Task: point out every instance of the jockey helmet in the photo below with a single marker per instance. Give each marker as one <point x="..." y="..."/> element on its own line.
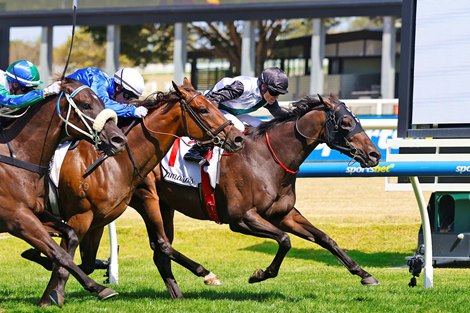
<point x="131" y="80"/>
<point x="275" y="80"/>
<point x="24" y="73"/>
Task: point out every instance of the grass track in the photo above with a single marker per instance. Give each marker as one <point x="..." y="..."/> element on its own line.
<point x="378" y="229"/>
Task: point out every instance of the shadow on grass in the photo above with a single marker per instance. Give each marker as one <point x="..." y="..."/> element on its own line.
<point x="212" y="295"/>
<point x="6" y="297"/>
<point x="379" y="259"/>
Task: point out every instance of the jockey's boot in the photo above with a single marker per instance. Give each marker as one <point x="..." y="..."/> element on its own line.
<point x="196" y="154"/>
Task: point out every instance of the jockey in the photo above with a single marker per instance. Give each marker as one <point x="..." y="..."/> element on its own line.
<point x="117" y="92"/>
<point x="242" y="95"/>
<point x="18" y="85"/>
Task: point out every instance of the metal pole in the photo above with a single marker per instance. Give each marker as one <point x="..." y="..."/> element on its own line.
<point x="428" y="270"/>
<point x="113" y="257"/>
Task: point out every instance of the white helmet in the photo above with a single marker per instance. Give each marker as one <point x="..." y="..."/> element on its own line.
<point x="131" y="80"/>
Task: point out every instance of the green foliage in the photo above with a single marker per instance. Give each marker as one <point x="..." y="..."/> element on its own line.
<point x="140" y="44"/>
<point x="24" y="50"/>
<point x="85" y="52"/>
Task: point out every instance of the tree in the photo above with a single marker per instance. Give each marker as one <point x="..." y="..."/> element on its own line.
<point x="85" y="52"/>
<point x="24" y="50"/>
<point x="224" y="40"/>
<point x="140" y="44"/>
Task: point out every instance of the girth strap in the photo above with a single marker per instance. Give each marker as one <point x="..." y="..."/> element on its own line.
<point x="24" y="165"/>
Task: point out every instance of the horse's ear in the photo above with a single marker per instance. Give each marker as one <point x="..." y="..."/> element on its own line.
<point x="177" y="89"/>
<point x="334" y="98"/>
<point x="187" y="83"/>
<point x="320" y="98"/>
<point x="328" y="103"/>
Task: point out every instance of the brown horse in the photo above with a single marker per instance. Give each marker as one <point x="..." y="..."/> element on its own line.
<point x="256" y="192"/>
<point x="89" y="203"/>
<point x="28" y="144"/>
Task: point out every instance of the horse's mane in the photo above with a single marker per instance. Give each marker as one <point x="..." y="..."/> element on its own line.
<point x="296" y="110"/>
<point x="157" y="99"/>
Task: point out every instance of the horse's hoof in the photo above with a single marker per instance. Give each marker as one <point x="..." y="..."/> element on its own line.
<point x="256" y="277"/>
<point x="45" y="303"/>
<point x="370" y="281"/>
<point x="57" y="298"/>
<point x="107" y="293"/>
<point x="212" y="280"/>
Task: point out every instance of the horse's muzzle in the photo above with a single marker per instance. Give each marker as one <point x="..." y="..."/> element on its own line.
<point x="369" y="159"/>
<point x="234" y="145"/>
<point x="113" y="140"/>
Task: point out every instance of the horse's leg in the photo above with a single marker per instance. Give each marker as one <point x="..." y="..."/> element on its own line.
<point x="89" y="248"/>
<point x="56" y="228"/>
<point x="253" y="224"/>
<point x="59" y="276"/>
<point x="145" y="200"/>
<point x="28" y="227"/>
<point x="298" y="225"/>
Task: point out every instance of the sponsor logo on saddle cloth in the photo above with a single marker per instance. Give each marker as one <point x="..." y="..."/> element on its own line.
<point x="176" y="170"/>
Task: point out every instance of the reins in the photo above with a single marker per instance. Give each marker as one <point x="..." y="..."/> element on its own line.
<point x="268" y="142"/>
<point x="103" y="157"/>
<point x="98" y="122"/>
<point x="332" y="127"/>
<point x="185" y="107"/>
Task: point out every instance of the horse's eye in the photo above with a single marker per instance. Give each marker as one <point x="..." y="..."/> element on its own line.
<point x="347" y="123"/>
<point x="203" y="110"/>
<point x="86" y="106"/>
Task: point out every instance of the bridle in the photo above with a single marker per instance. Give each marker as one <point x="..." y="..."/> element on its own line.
<point x="185" y="107"/>
<point x="213" y="134"/>
<point x="334" y="134"/>
<point x="93" y="130"/>
<point x="334" y="131"/>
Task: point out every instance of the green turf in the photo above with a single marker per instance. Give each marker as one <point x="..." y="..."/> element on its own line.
<point x="310" y="280"/>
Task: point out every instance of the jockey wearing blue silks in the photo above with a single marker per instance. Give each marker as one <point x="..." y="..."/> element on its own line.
<point x="118" y="91"/>
<point x="18" y="85"/>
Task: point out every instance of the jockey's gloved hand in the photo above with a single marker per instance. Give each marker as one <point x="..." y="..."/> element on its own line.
<point x="52" y="89"/>
<point x="140" y="112"/>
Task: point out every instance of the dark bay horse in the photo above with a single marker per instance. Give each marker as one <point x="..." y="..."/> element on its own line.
<point x="89" y="203"/>
<point x="256" y="191"/>
<point x="27" y="146"/>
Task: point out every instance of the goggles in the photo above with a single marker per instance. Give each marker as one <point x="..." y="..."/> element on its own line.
<point x="273" y="93"/>
<point x="128" y="95"/>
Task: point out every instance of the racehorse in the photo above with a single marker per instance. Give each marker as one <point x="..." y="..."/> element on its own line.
<point x="89" y="203"/>
<point x="28" y="143"/>
<point x="256" y="191"/>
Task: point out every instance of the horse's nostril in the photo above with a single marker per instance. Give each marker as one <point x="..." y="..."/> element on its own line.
<point x="375" y="155"/>
<point x="238" y="139"/>
<point x="118" y="140"/>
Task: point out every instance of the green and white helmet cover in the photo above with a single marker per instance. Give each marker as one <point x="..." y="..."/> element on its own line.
<point x="24" y="73"/>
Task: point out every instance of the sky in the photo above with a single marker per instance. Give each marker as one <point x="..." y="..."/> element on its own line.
<point x="31" y="34"/>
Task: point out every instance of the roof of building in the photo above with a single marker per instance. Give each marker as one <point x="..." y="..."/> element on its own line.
<point x="131" y="12"/>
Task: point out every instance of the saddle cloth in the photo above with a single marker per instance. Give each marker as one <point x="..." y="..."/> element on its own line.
<point x="56" y="162"/>
<point x="176" y="170"/>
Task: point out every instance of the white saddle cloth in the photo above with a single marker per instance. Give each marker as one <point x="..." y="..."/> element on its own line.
<point x="176" y="170"/>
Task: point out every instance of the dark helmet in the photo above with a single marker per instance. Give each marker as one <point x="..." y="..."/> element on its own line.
<point x="275" y="80"/>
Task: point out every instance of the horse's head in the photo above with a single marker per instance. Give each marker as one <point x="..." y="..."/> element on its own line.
<point x="345" y="133"/>
<point x="85" y="117"/>
<point x="204" y="121"/>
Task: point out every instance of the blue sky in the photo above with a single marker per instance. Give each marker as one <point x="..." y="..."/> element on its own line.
<point x="60" y="34"/>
